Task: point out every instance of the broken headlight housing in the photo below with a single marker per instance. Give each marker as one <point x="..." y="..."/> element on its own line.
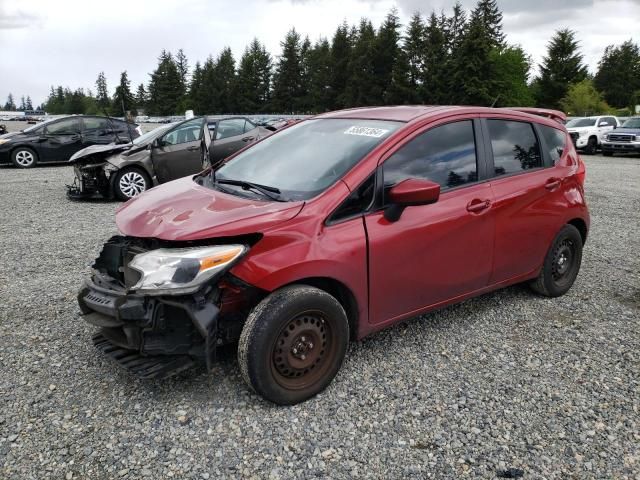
<point x="177" y="271"/>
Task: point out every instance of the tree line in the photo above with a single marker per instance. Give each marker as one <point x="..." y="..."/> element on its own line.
<point x="458" y="58"/>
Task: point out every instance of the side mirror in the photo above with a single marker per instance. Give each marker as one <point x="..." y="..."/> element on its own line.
<point x="157" y="143"/>
<point x="410" y="192"/>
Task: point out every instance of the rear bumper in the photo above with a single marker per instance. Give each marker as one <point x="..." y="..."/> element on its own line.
<point x="153" y="337"/>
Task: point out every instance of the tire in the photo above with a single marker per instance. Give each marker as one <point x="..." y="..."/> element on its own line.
<point x="592" y="144"/>
<point x="561" y="264"/>
<point x="293" y="344"/>
<point x="130" y="182"/>
<point x="607" y="154"/>
<point x="24" y="157"/>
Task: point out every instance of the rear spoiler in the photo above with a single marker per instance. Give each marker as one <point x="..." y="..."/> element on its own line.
<point x="556" y="115"/>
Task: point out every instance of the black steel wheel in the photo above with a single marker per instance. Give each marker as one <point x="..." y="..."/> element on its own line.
<point x="561" y="265"/>
<point x="293" y="344"/>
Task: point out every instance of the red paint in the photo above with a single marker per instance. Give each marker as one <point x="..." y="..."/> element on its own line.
<point x="472" y="240"/>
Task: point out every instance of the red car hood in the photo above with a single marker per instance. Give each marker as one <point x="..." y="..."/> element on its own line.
<point x="182" y="210"/>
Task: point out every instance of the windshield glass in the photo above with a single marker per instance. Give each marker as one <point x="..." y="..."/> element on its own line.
<point x="631" y="123"/>
<point x="581" y="122"/>
<point x="305" y="159"/>
<point x="156" y="132"/>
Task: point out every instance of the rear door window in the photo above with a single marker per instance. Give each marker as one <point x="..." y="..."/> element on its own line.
<point x="445" y="154"/>
<point x="93" y="124"/>
<point x="515" y="147"/>
<point x="555" y="141"/>
<point x="230" y="128"/>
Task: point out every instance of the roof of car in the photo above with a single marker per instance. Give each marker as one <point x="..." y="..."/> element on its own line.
<point x="409" y="113"/>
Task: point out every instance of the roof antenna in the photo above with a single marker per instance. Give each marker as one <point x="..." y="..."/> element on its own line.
<point x="494" y="102"/>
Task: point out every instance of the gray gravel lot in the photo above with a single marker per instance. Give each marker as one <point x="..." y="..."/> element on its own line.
<point x="507" y="380"/>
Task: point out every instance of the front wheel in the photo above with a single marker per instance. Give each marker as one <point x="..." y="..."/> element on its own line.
<point x="130" y="182"/>
<point x="293" y="344"/>
<point x="23" y="157"/>
<point x="561" y="265"/>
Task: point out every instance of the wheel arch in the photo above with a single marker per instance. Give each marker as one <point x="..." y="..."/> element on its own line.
<point x="28" y="147"/>
<point x="340" y="292"/>
<point x="581" y="225"/>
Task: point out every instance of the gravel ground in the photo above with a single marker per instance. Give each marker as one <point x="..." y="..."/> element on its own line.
<point x="507" y="380"/>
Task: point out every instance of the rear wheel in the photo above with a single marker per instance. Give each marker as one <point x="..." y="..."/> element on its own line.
<point x="293" y="344"/>
<point x="561" y="265"/>
<point x="130" y="182"/>
<point x="24" y="157"/>
<point x="592" y="144"/>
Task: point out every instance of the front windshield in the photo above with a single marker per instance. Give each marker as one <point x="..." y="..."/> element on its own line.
<point x="303" y="160"/>
<point x="581" y="122"/>
<point x="156" y="132"/>
<point x="631" y="123"/>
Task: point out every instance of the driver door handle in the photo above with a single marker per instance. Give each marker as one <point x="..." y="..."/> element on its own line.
<point x="247" y="139"/>
<point x="477" y="206"/>
<point x="194" y="148"/>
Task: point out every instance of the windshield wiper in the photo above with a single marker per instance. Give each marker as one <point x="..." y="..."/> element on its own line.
<point x="265" y="190"/>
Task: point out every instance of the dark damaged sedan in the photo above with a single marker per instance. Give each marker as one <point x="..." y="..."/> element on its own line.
<point x="169" y="152"/>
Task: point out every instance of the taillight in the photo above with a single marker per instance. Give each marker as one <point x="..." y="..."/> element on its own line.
<point x="582" y="171"/>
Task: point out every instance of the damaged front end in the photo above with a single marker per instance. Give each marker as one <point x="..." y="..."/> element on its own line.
<point x="91" y="180"/>
<point x="163" y="306"/>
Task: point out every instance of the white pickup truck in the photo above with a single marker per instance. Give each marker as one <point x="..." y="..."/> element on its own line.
<point x="587" y="132"/>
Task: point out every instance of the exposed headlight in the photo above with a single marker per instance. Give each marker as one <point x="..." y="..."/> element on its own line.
<point x="175" y="271"/>
<point x="4" y="140"/>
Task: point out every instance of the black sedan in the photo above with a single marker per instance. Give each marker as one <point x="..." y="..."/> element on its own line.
<point x="58" y="139"/>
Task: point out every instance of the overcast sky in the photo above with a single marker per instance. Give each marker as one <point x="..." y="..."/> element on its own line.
<point x="68" y="42"/>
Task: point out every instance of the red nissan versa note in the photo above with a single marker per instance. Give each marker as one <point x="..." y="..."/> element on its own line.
<point x="331" y="229"/>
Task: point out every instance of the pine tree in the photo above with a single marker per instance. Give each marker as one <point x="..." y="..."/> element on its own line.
<point x="414" y="50"/>
<point x="11" y="104"/>
<point x="141" y="98"/>
<point x="22" y="106"/>
<point x="435" y="73"/>
<point x="491" y="18"/>
<point x="183" y="68"/>
<point x="165" y="92"/>
<point x="206" y="96"/>
<point x="361" y="88"/>
<point x="28" y="104"/>
<point x="225" y="75"/>
<point x="386" y="52"/>
<point x="287" y="89"/>
<point x="123" y="98"/>
<point x="254" y="79"/>
<point x="618" y="75"/>
<point x="400" y="91"/>
<point x="102" y="93"/>
<point x="341" y="52"/>
<point x="320" y="76"/>
<point x="561" y="67"/>
<point x="195" y="89"/>
<point x="472" y="75"/>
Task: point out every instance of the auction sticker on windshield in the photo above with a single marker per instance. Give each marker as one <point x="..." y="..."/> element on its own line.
<point x="366" y="131"/>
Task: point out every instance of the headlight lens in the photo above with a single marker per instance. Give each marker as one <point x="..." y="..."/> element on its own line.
<point x="4" y="140"/>
<point x="174" y="271"/>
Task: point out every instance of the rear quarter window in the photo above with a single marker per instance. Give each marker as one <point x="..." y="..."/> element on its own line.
<point x="555" y="141"/>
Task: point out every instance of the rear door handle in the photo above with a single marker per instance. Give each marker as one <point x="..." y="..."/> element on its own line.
<point x="194" y="148"/>
<point x="552" y="183"/>
<point x="476" y="205"/>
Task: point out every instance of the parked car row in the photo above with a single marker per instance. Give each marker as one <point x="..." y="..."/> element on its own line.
<point x="332" y="229"/>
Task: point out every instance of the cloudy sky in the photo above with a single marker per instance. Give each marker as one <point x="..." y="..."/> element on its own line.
<point x="68" y="42"/>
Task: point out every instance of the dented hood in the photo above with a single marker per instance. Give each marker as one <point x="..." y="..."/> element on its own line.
<point x="183" y="210"/>
<point x="94" y="149"/>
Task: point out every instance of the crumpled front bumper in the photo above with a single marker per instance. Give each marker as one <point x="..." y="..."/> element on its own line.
<point x="153" y="337"/>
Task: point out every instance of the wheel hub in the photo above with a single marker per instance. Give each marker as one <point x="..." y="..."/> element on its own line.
<point x="562" y="261"/>
<point x="301" y="346"/>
